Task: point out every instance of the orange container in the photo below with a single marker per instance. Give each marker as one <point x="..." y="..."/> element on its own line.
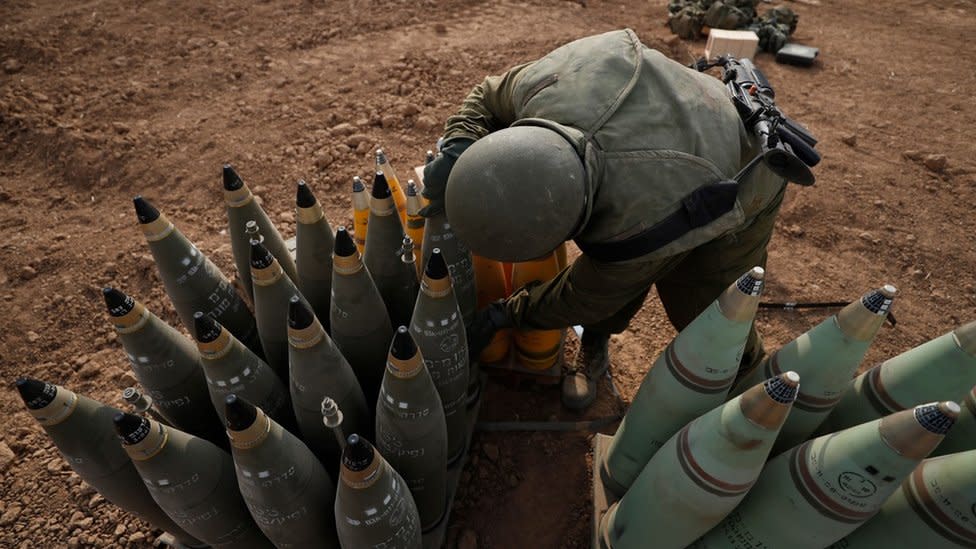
<point x="536" y="349"/>
<point x="490" y="282"/>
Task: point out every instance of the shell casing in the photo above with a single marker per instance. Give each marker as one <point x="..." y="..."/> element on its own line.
<point x="317" y="369"/>
<point x="826" y="357"/>
<point x="438" y="329"/>
<point x="231" y="367"/>
<point x="81" y="429"/>
<point x="820" y="491"/>
<point x="360" y="217"/>
<point x="241" y="208"/>
<point x="361" y="327"/>
<point x="194" y="482"/>
<point x="415" y="225"/>
<point x="272" y="290"/>
<point x="383" y="262"/>
<point x="193" y="283"/>
<point x="939" y="369"/>
<point x="491" y="285"/>
<point x="690" y="377"/>
<point x="314" y="242"/>
<point x="962" y="436"/>
<point x="438" y="234"/>
<point x="933" y="508"/>
<point x="396" y="189"/>
<point x="536" y="349"/>
<point x="374" y="508"/>
<point x="411" y="433"/>
<point x="167" y="365"/>
<point x="286" y="489"/>
<point x="702" y="472"/>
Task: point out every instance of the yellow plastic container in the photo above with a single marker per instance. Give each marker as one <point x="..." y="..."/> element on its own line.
<point x="536" y="349"/>
<point x="489" y="277"/>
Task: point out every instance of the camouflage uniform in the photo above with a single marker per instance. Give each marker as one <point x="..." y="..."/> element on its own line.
<point x="650" y="132"/>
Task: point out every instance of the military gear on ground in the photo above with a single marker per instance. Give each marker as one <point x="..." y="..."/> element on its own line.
<point x="518" y="193"/>
<point x="774" y="28"/>
<point x="436" y="173"/>
<point x="687" y="22"/>
<point x="486" y="322"/>
<point x="687" y="19"/>
<point x="592" y="361"/>
<point x="730" y="14"/>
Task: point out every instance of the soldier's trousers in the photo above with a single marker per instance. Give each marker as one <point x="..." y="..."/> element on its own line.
<point x="604" y="296"/>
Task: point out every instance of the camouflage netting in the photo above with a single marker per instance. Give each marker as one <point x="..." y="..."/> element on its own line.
<point x="687" y="18"/>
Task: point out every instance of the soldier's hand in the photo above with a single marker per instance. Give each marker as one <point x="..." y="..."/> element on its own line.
<point x="437" y="172"/>
<point x="482" y="329"/>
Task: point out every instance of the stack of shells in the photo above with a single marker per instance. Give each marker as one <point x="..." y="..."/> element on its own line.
<point x="251" y="431"/>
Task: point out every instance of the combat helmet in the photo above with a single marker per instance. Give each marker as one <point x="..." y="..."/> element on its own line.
<point x="517" y="194"/>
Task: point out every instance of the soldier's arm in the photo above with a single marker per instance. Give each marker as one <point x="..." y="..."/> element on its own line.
<point x="489" y="107"/>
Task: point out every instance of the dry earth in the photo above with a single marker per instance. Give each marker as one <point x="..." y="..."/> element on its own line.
<point x="103" y="99"/>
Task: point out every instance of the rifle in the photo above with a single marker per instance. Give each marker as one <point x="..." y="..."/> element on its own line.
<point x="787" y="146"/>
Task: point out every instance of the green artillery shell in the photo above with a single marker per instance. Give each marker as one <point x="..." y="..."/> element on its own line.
<point x="701" y="474"/>
<point x="313" y="252"/>
<point x="826" y="357"/>
<point x="689" y="378"/>
<point x="231" y="368"/>
<point x="940" y="369"/>
<point x="167" y="365"/>
<point x="192" y="281"/>
<point x="318" y="369"/>
<point x="241" y="208"/>
<point x="933" y="509"/>
<point x="962" y="437"/>
<point x="192" y="480"/>
<point x="823" y="489"/>
<point x="373" y="506"/>
<point x="411" y="432"/>
<point x="81" y="429"/>
<point x="438" y="234"/>
<point x="272" y="290"/>
<point x="360" y="324"/>
<point x="284" y="486"/>
<point x="382" y="257"/>
<point x="438" y="329"/>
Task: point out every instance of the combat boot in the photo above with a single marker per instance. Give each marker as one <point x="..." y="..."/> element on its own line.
<point x="583" y="376"/>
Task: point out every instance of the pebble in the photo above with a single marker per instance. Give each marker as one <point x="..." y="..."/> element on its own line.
<point x="850" y="139"/>
<point x="343" y="129"/>
<point x="356" y="139"/>
<point x="32" y="336"/>
<point x="936" y="162"/>
<point x="10" y="515"/>
<point x="7" y="456"/>
<point x="12" y="66"/>
<point x="136" y="537"/>
<point x="28" y="272"/>
<point x="120" y="529"/>
<point x="491" y="451"/>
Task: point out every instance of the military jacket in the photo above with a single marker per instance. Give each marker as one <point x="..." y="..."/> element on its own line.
<point x="649" y="130"/>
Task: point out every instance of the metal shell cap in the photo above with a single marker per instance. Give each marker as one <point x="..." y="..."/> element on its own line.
<point x="516" y="194"/>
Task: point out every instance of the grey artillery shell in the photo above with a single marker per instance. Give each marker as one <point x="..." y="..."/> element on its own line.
<point x="962" y="437"/>
<point x="319" y="370"/>
<point x="81" y="429"/>
<point x="411" y="432"/>
<point x="691" y="377"/>
<point x="382" y="257"/>
<point x="933" y="509"/>
<point x="941" y="369"/>
<point x="826" y="357"/>
<point x="360" y="324"/>
<point x="272" y="291"/>
<point x="703" y="472"/>
<point x="193" y="283"/>
<point x="373" y="506"/>
<point x="820" y="491"/>
<point x="438" y="234"/>
<point x="241" y="208"/>
<point x="192" y="480"/>
<point x="287" y="490"/>
<point x="438" y="329"/>
<point x="231" y="368"/>
<point x="168" y="367"/>
<point x="313" y="253"/>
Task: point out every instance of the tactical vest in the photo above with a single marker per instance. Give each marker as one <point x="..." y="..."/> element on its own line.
<point x="655" y="136"/>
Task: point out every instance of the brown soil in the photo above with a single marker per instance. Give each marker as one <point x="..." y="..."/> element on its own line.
<point x="103" y="100"/>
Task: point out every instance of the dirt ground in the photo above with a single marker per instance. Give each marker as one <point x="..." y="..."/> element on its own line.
<point x="103" y="99"/>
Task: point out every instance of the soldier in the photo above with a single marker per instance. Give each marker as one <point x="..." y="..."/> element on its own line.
<point x="644" y="163"/>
